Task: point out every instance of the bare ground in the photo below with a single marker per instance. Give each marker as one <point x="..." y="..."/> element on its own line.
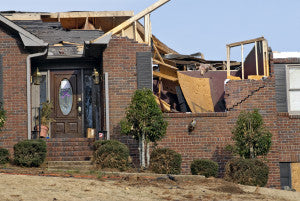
<point x="102" y="186"/>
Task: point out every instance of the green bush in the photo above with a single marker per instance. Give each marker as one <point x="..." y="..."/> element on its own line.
<point x="30" y="153"/>
<point x="4" y="156"/>
<point x="111" y="154"/>
<point x="247" y="171"/>
<point x="165" y="161"/>
<point x="205" y="167"/>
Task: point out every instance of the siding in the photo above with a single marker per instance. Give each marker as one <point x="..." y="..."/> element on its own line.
<point x="144" y="70"/>
<point x="280" y="87"/>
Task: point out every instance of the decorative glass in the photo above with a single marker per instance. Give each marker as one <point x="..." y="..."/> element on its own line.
<point x="65" y="97"/>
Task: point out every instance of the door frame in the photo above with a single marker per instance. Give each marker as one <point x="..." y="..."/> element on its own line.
<point x="81" y="95"/>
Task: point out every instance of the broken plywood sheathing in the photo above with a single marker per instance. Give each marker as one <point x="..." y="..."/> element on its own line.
<point x="265" y="57"/>
<point x="197" y="92"/>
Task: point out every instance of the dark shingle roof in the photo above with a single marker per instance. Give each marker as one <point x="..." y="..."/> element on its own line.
<point x="53" y="32"/>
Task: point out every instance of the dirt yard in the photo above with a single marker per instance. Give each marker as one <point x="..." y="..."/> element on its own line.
<point x="130" y="187"/>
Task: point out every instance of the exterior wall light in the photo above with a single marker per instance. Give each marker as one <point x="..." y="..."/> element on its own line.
<point x="96" y="76"/>
<point x="192" y="125"/>
<point x="37" y="77"/>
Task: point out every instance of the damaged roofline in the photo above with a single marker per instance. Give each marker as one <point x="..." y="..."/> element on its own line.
<point x="28" y="39"/>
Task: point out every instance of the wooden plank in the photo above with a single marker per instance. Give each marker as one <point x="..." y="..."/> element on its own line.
<point x="164" y="76"/>
<point x="135" y="32"/>
<point x="256" y="58"/>
<point x="163" y="104"/>
<point x="134" y="18"/>
<point x="87" y="14"/>
<point x="164" y="64"/>
<point x="147" y="28"/>
<point x="266" y="58"/>
<point x="157" y="53"/>
<point x="228" y="61"/>
<point x="245" y="42"/>
<point x="243" y="69"/>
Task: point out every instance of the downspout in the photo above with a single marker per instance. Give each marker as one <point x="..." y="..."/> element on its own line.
<point x="107" y="106"/>
<point x="28" y="69"/>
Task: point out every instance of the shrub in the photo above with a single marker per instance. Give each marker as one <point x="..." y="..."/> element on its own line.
<point x="144" y="121"/>
<point x="165" y="161"/>
<point x="4" y="156"/>
<point x="205" y="167"/>
<point x="30" y="153"/>
<point x="2" y="116"/>
<point x="247" y="171"/>
<point x="111" y="154"/>
<point x="251" y="138"/>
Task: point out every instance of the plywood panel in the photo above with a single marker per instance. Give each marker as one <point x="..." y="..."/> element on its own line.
<point x="295" y="173"/>
<point x="197" y="92"/>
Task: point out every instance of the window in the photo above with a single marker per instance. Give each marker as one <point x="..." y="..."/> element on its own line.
<point x="293" y="88"/>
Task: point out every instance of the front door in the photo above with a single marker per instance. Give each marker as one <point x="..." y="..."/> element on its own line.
<point x="66" y="95"/>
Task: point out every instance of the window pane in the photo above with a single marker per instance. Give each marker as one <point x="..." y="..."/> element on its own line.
<point x="294" y="77"/>
<point x="295" y="100"/>
<point x="65" y="97"/>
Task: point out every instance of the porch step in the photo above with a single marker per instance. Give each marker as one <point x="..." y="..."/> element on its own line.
<point x="70" y="165"/>
<point x="69" y="149"/>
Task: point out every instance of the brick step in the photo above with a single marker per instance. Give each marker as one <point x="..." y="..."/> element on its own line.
<point x="69" y="158"/>
<point x="70" y="165"/>
<point x="69" y="149"/>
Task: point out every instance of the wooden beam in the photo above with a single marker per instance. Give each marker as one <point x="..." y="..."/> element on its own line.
<point x="256" y="58"/>
<point x="87" y="14"/>
<point x="157" y="53"/>
<point x="243" y="69"/>
<point x="147" y="28"/>
<point x="164" y="76"/>
<point x="135" y="32"/>
<point x="228" y="61"/>
<point x="164" y="64"/>
<point x="246" y="42"/>
<point x="134" y="18"/>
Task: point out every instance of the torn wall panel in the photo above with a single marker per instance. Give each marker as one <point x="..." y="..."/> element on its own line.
<point x="197" y="92"/>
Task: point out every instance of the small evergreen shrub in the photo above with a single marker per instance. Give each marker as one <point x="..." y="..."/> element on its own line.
<point x="4" y="156"/>
<point x="247" y="171"/>
<point x="111" y="154"/>
<point x="30" y="153"/>
<point x="165" y="161"/>
<point x="205" y="167"/>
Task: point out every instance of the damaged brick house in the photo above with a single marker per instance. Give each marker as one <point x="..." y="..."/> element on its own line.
<point x="101" y="58"/>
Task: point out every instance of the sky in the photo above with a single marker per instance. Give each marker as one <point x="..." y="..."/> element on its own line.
<point x="190" y="26"/>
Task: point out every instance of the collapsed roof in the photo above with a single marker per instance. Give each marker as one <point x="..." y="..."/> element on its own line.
<point x="181" y="82"/>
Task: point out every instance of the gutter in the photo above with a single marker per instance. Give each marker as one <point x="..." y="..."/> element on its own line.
<point x="28" y="70"/>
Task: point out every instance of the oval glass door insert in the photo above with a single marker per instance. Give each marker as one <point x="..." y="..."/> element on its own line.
<point x="65" y="96"/>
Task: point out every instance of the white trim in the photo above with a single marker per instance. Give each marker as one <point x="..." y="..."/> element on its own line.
<point x="287" y="67"/>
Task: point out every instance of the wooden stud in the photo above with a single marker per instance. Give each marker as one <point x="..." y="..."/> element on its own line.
<point x="256" y="58"/>
<point x="159" y="87"/>
<point x="243" y="69"/>
<point x="135" y="32"/>
<point x="123" y="33"/>
<point x="147" y="29"/>
<point x="228" y="61"/>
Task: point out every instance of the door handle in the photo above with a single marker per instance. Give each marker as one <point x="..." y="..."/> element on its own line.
<point x="79" y="106"/>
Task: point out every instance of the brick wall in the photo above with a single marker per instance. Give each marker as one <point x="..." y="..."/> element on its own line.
<point x="14" y="91"/>
<point x="213" y="130"/>
<point x="119" y="60"/>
